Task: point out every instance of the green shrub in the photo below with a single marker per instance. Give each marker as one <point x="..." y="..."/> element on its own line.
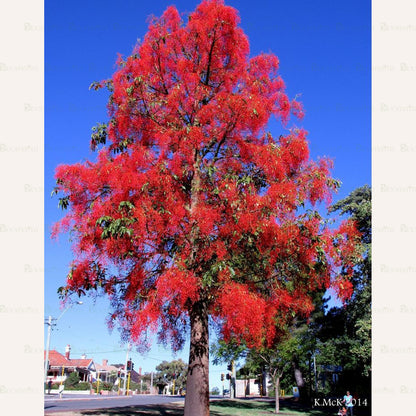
<point x="83" y="385"/>
<point x="72" y="380"/>
<point x="54" y="386"/>
<point x="102" y="386"/>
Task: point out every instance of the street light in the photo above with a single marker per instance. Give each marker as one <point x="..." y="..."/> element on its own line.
<point x="52" y="322"/>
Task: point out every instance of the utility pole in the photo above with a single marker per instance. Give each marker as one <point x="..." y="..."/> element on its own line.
<point x="125" y="367"/>
<point x="48" y="342"/>
<point x="151" y="382"/>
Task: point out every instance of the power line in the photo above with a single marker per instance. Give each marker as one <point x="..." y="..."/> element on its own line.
<point x="113" y="352"/>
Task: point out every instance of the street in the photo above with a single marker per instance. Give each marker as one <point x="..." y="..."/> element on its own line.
<point x="82" y="402"/>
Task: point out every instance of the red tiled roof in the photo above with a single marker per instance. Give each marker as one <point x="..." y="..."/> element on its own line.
<point x="81" y="362"/>
<point x="56" y="359"/>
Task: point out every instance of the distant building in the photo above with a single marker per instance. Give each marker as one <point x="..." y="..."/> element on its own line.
<point x="60" y="366"/>
<point x="106" y="372"/>
<point x="252" y="386"/>
<point x="134" y="375"/>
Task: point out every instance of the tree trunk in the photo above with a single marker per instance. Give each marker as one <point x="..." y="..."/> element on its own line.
<point x="300" y="382"/>
<point x="276" y="393"/>
<point x="197" y="384"/>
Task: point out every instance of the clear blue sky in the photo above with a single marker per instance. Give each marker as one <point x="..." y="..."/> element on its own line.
<point x="324" y="48"/>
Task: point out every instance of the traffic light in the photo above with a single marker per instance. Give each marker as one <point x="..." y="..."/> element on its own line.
<point x="132" y="365"/>
<point x="228" y="376"/>
<point x="129" y="365"/>
<point x="222" y="377"/>
<point x="229" y="367"/>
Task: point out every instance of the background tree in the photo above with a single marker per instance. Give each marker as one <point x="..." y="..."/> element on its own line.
<point x="358" y="206"/>
<point x="339" y="336"/>
<point x="175" y="370"/>
<point x="302" y="344"/>
<point x="229" y="352"/>
<point x="275" y="361"/>
<point x="192" y="209"/>
<point x="345" y="333"/>
<point x="342" y="335"/>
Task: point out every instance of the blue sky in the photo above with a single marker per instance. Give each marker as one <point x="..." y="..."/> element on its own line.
<point x="324" y="48"/>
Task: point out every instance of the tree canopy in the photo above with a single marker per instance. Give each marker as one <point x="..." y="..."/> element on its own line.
<point x="192" y="209"/>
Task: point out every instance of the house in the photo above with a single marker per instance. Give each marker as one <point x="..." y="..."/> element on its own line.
<point x="105" y="372"/>
<point x="60" y="366"/>
<point x="252" y="386"/>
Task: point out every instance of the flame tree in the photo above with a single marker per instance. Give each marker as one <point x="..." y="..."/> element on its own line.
<point x="191" y="209"/>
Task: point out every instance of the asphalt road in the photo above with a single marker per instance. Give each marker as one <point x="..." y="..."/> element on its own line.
<point x="83" y="402"/>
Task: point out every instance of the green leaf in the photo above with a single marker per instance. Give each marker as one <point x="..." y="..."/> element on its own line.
<point x="99" y="135"/>
<point x="95" y="86"/>
<point x="103" y="220"/>
<point x="63" y="202"/>
<point x="127" y="205"/>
